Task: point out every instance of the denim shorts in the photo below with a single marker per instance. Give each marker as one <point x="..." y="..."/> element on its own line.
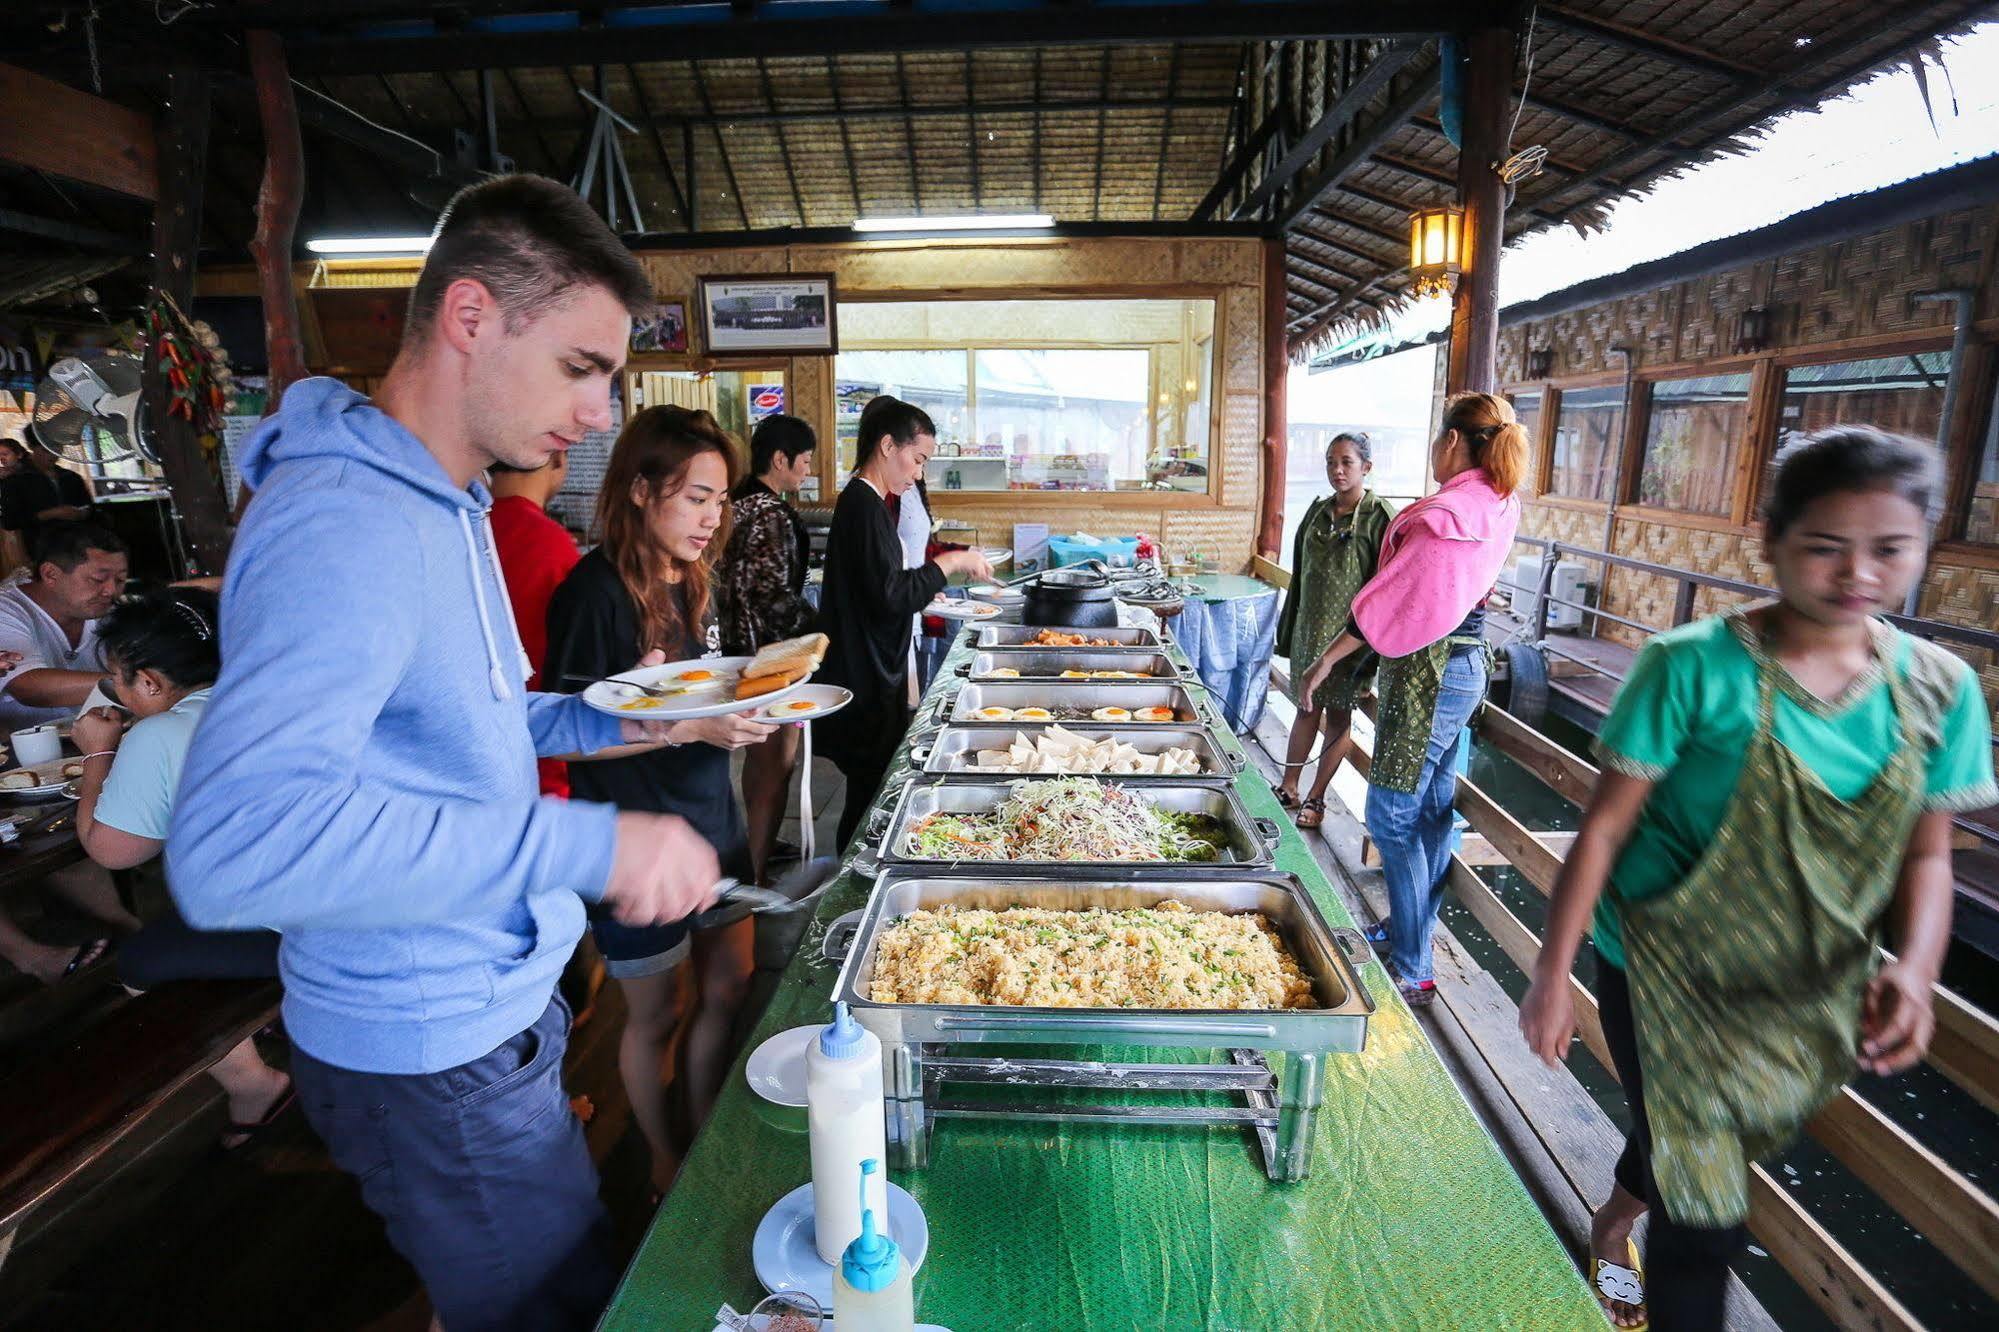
<point x="632" y="951"/>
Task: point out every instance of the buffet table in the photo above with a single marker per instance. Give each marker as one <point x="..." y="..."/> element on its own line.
<point x="1410" y="1218"/>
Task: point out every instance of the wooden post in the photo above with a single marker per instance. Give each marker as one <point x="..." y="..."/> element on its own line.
<point x="278" y="200"/>
<point x="1276" y="376"/>
<point x="1474" y="357"/>
<point x="183" y="162"/>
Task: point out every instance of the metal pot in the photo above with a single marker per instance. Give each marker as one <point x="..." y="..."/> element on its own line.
<point x="1071" y="599"/>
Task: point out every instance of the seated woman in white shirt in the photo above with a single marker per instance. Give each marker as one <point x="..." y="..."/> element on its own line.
<point x="164" y="653"/>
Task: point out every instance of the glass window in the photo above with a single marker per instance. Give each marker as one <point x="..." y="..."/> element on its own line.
<point x="1981" y="523"/>
<point x="1903" y="394"/>
<point x="1040" y="395"/>
<point x="1527" y="406"/>
<point x="1693" y="437"/>
<point x="1589" y="432"/>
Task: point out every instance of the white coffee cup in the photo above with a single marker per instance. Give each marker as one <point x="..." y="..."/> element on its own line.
<point x="37" y="744"/>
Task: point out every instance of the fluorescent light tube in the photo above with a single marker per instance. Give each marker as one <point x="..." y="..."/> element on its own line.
<point x="964" y="222"/>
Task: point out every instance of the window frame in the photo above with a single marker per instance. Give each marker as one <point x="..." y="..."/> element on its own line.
<point x="1557" y="390"/>
<point x="1209" y="496"/>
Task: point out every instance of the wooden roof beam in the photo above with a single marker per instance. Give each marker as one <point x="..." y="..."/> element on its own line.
<point x="1656" y="48"/>
<point x="1351" y="103"/>
<point x="1365" y="141"/>
<point x="733" y="34"/>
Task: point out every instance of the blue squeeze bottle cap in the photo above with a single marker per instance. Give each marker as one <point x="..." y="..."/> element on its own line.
<point x="843" y="1038"/>
<point x="872" y="1261"/>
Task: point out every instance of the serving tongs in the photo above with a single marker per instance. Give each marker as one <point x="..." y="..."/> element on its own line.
<point x="796" y="887"/>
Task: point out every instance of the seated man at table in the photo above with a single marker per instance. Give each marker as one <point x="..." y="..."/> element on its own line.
<point x="48" y="626"/>
<point x="51" y="620"/>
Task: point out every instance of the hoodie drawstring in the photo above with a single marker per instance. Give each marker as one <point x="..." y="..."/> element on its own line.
<point x="495" y="676"/>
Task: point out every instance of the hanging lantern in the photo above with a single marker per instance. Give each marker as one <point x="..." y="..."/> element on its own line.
<point x="1436" y="249"/>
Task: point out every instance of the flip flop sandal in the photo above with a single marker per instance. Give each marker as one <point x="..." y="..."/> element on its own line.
<point x="88" y="956"/>
<point x="1311" y="813"/>
<point x="1617" y="1284"/>
<point x="1285" y="799"/>
<point x="1376" y="936"/>
<point x="1416" y="994"/>
<point x="245" y="1134"/>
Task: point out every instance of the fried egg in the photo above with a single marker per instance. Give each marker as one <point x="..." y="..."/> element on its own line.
<point x="640" y="705"/>
<point x="796" y="705"/>
<point x="1004" y="673"/>
<point x="1154" y="714"/>
<point x="994" y="714"/>
<point x="1033" y="714"/>
<point x="1075" y="675"/>
<point x="1111" y="715"/>
<point x="694" y="677"/>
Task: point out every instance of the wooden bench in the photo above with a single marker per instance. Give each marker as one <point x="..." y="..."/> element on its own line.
<point x="63" y="1109"/>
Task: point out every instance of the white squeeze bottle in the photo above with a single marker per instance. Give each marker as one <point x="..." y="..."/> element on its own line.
<point x="872" y="1292"/>
<point x="843" y="1107"/>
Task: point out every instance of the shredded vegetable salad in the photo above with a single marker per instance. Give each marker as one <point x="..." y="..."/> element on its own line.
<point x="1073" y="819"/>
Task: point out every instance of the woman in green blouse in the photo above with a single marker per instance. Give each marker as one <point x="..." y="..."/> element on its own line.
<point x="1777" y="789"/>
<point x="1338" y="545"/>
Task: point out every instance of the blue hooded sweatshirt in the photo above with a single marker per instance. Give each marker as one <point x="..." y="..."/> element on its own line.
<point x="364" y="778"/>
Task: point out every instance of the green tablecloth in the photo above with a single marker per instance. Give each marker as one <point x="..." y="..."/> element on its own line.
<point x="1411" y="1219"/>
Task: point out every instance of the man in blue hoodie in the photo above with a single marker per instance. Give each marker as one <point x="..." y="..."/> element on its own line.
<point x="364" y="780"/>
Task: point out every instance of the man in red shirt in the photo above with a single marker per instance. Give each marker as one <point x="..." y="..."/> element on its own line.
<point x="536" y="554"/>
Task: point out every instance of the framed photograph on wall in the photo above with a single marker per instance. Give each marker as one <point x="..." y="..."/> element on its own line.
<point x="666" y="331"/>
<point x="786" y="314"/>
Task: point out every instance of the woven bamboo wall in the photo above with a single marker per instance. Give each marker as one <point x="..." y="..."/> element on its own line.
<point x="1858" y="288"/>
<point x="1854" y="288"/>
<point x="1227" y="271"/>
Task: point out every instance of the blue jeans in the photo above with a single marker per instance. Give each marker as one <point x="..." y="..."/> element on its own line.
<point x="1413" y="829"/>
<point x="482" y="1177"/>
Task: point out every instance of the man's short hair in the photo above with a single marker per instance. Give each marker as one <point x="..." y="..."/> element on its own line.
<point x="529" y="241"/>
<point x="779" y="434"/>
<point x="67" y="542"/>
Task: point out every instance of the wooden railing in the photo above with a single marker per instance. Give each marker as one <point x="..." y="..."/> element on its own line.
<point x="1949" y="1210"/>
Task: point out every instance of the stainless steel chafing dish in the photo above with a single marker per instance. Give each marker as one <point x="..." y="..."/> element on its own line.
<point x="1281" y="1111"/>
<point x="1049" y="663"/>
<point x="1017" y="636"/>
<point x="1071" y="700"/>
<point x="1251" y="841"/>
<point x="955" y="749"/>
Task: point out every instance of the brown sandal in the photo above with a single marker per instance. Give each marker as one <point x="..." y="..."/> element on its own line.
<point x="1311" y="813"/>
<point x="1285" y="799"/>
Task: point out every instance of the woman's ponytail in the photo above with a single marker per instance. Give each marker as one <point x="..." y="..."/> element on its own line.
<point x="1498" y="442"/>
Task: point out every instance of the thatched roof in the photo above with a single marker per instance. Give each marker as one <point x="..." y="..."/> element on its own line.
<point x="1316" y="120"/>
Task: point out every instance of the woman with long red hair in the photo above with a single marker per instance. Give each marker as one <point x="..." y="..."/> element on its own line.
<point x="662" y="519"/>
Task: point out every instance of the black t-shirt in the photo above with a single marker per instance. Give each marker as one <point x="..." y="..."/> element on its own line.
<point x="865" y="610"/>
<point x="27" y="492"/>
<point x="593" y="632"/>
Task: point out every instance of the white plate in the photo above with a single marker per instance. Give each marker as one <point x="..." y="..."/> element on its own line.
<point x="776" y="1070"/>
<point x="825" y="700"/>
<point x="704" y="698"/>
<point x="784" y="1256"/>
<point x="49" y="777"/>
<point x="834" y="1327"/>
<point x="957" y="608"/>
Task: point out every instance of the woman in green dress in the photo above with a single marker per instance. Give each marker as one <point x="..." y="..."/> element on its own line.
<point x="1335" y="553"/>
<point x="1777" y="788"/>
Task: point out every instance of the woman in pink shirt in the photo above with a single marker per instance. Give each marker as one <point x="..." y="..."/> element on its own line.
<point x="1424" y="613"/>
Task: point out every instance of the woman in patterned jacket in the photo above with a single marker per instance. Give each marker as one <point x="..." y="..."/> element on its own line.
<point x="761" y="600"/>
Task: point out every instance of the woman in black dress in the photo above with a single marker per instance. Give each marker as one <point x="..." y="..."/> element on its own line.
<point x="662" y="515"/>
<point x="869" y="600"/>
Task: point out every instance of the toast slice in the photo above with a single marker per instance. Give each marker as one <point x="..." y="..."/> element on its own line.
<point x="781" y="658"/>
